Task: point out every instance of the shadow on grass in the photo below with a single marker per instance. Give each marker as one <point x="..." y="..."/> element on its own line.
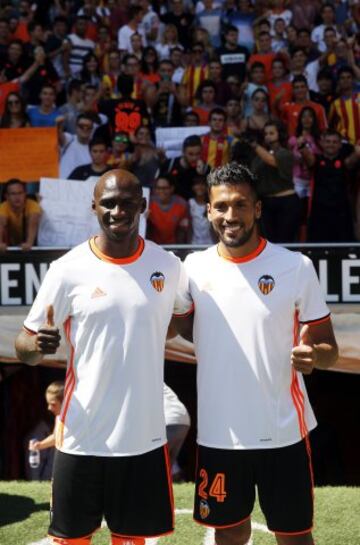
<point x="16" y="508"/>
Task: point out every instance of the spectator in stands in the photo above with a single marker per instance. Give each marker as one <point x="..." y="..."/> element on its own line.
<point x="168" y="42"/>
<point x="71" y="109"/>
<point x="233" y="57"/>
<point x="182" y="19"/>
<point x="327" y="14"/>
<point x="168" y="219"/>
<point x="233" y="114"/>
<point x="200" y="228"/>
<point x="135" y="14"/>
<point x="325" y="94"/>
<point x="110" y="77"/>
<point x="120" y="156"/>
<point x="196" y="72"/>
<point x="146" y="159"/>
<point x="56" y="45"/>
<point x="185" y="168"/>
<point x="75" y="147"/>
<point x="54" y="396"/>
<point x="256" y="81"/>
<point x="90" y="71"/>
<point x="279" y="87"/>
<point x="80" y="45"/>
<point x="137" y="45"/>
<point x="46" y="114"/>
<point x="222" y="89"/>
<point x="305" y="43"/>
<point x="330" y="216"/>
<point x="210" y="19"/>
<point x="206" y="100"/>
<point x="15" y="116"/>
<point x="167" y="110"/>
<point x="150" y="65"/>
<point x="98" y="165"/>
<point x="216" y="144"/>
<point x="19" y="217"/>
<point x="291" y="110"/>
<point x="252" y="126"/>
<point x="150" y="22"/>
<point x="265" y="54"/>
<point x="176" y="57"/>
<point x="345" y="110"/>
<point x="273" y="166"/>
<point x="4" y="38"/>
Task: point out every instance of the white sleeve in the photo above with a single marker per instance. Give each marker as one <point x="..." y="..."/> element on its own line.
<point x="310" y="301"/>
<point x="183" y="302"/>
<point x="52" y="292"/>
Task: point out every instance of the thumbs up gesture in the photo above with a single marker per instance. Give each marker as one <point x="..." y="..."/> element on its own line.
<point x="304" y="356"/>
<point x="48" y="336"/>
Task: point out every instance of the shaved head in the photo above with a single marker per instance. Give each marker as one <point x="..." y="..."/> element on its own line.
<point x="117" y="178"/>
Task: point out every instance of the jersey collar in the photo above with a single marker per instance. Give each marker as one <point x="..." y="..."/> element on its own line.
<point x="249" y="257"/>
<point x="119" y="260"/>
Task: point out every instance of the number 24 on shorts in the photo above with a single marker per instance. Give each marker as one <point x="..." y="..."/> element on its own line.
<point x="217" y="488"/>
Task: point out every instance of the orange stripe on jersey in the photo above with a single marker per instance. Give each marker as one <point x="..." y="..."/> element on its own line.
<point x="70" y="382"/>
<point x="296" y="393"/>
<point x="120" y="260"/>
<point x="29" y="331"/>
<point x="319" y="320"/>
<point x="261" y="246"/>
<point x="171" y="492"/>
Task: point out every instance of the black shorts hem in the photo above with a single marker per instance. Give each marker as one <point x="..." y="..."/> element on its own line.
<point x="89" y="535"/>
<point x="222" y="526"/>
<point x="148" y="536"/>
<point x="298" y="533"/>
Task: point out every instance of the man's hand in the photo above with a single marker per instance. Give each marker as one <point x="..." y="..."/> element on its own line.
<point x="48" y="336"/>
<point x="304" y="356"/>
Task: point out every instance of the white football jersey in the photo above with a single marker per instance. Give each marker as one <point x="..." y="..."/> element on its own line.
<point x="246" y="320"/>
<point x="115" y="314"/>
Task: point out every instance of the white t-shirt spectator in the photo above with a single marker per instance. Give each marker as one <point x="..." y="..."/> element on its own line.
<point x="80" y="47"/>
<point x="317" y="36"/>
<point x="73" y="154"/>
<point x="124" y="36"/>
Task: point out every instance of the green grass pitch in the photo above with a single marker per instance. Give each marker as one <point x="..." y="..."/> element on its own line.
<point x="24" y="517"/>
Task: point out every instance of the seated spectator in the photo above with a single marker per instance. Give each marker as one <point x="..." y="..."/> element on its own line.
<point x="15" y="116"/>
<point x="206" y="100"/>
<point x="327" y="14"/>
<point x="345" y="110"/>
<point x="168" y="41"/>
<point x="278" y="10"/>
<point x="131" y="67"/>
<point x="109" y="79"/>
<point x="135" y="14"/>
<point x="233" y="57"/>
<point x="200" y="226"/>
<point x="70" y="111"/>
<point x="167" y="110"/>
<point x="46" y="114"/>
<point x="16" y="61"/>
<point x="301" y="67"/>
<point x="19" y="217"/>
<point x="168" y="219"/>
<point x="279" y="87"/>
<point x="150" y="65"/>
<point x="98" y="165"/>
<point x="176" y="57"/>
<point x="305" y="43"/>
<point x="279" y="42"/>
<point x="256" y="81"/>
<point x="137" y="45"/>
<point x="120" y="156"/>
<point x="75" y="147"/>
<point x="330" y="218"/>
<point x="146" y="159"/>
<point x="185" y="168"/>
<point x="253" y="125"/>
<point x="291" y="110"/>
<point x="273" y="165"/>
<point x="216" y="144"/>
<point x="190" y="119"/>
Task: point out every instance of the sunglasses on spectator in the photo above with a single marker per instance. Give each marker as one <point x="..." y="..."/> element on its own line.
<point x="122" y="139"/>
<point x="14" y="101"/>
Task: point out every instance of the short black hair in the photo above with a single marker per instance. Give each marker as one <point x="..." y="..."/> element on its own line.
<point x="74" y="85"/>
<point x="232" y="174"/>
<point x="125" y="84"/>
<point x="345" y="70"/>
<point x="86" y="116"/>
<point x="217" y="111"/>
<point x="231" y="28"/>
<point x="300" y="79"/>
<point x="13" y="181"/>
<point x="190" y="141"/>
<point x="325" y="74"/>
<point x="97" y="142"/>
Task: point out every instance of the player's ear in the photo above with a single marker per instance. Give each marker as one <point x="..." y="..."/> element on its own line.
<point x="143" y="205"/>
<point x="258" y="210"/>
<point x="208" y="210"/>
<point x="93" y="205"/>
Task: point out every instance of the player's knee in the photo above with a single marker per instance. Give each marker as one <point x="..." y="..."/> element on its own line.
<point x="240" y="535"/>
<point x="304" y="539"/>
<point x="116" y="540"/>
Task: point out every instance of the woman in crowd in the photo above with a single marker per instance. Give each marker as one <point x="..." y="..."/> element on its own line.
<point x="150" y="65"/>
<point x="168" y="41"/>
<point x="90" y="72"/>
<point x="273" y="166"/>
<point x="15" y="116"/>
<point x="279" y="87"/>
<point x="253" y="125"/>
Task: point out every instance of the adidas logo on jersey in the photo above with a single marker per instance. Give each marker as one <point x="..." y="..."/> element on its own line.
<point x="98" y="292"/>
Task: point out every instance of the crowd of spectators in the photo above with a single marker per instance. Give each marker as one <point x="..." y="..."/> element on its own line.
<point x="277" y="83"/>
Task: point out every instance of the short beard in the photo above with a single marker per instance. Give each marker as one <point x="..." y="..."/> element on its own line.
<point x="236" y="243"/>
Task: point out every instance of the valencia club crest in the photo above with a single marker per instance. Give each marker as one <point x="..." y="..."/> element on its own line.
<point x="266" y="284"/>
<point x="157" y="280"/>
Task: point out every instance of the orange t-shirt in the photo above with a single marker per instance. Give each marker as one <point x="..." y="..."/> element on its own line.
<point x="163" y="221"/>
<point x="274" y="90"/>
<point x="291" y="112"/>
<point x="266" y="59"/>
<point x="21" y="33"/>
<point x="5" y="90"/>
